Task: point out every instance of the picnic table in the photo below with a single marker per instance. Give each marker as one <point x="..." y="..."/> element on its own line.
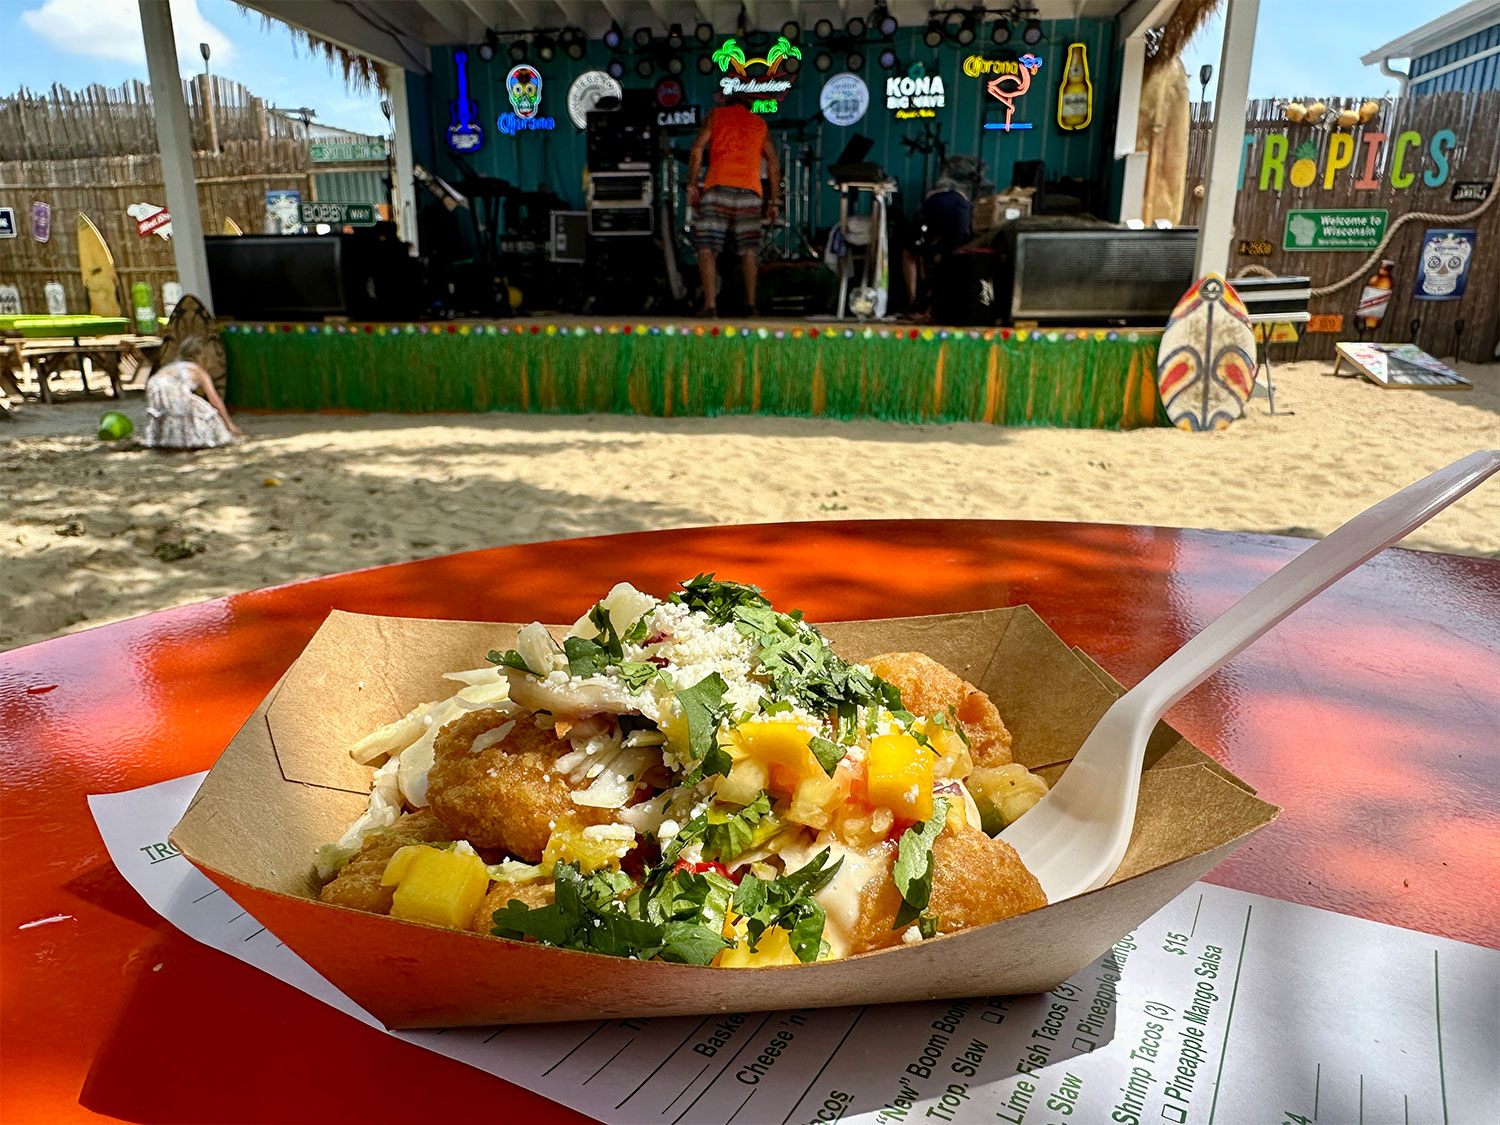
<point x="48" y="357"/>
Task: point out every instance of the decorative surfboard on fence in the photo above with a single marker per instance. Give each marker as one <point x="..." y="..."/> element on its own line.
<point x="97" y="265"/>
<point x="1205" y="366"/>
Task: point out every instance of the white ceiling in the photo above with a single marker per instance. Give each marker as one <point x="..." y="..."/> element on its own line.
<point x="401" y="31"/>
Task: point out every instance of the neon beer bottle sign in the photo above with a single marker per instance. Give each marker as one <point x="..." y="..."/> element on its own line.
<point x="1075" y="102"/>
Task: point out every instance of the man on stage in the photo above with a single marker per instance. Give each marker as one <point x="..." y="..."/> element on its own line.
<point x="729" y="202"/>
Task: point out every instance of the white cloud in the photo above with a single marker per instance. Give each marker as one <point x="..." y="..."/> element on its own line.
<point x="111" y="29"/>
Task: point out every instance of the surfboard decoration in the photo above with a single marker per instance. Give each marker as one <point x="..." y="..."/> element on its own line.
<point x="465" y="134"/>
<point x="231" y="227"/>
<point x="97" y="266"/>
<point x="1205" y="366"/>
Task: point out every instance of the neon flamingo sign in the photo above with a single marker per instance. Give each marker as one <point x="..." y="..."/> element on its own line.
<point x="1013" y="81"/>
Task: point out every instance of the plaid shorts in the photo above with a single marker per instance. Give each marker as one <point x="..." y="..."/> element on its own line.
<point x="725" y="211"/>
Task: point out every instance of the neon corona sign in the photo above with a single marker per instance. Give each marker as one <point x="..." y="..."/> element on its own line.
<point x="767" y="89"/>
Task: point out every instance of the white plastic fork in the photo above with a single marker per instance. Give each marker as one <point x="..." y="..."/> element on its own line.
<point x="1074" y="838"/>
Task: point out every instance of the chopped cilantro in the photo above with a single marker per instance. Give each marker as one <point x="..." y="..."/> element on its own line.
<point x="608" y="640"/>
<point x="637" y="674"/>
<point x="510" y="658"/>
<point x="702" y="708"/>
<point x="585" y="657"/>
<point x="787" y="901"/>
<point x="829" y="754"/>
<point x="726" y="837"/>
<point x="719" y="599"/>
<point x="681" y="920"/>
<point x="914" y="864"/>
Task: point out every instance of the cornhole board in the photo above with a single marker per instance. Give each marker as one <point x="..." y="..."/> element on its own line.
<point x="1205" y="366"/>
<point x="1400" y="367"/>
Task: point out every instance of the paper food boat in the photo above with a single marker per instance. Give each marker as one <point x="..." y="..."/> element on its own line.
<point x="284" y="786"/>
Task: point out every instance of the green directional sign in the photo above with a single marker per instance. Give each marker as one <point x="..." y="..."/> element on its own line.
<point x="1334" y="230"/>
<point x="346" y="152"/>
<point x="339" y="214"/>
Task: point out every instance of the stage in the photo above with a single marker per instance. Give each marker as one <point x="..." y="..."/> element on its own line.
<point x="683" y="367"/>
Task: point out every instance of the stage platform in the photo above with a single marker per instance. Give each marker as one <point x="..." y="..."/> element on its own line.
<point x="685" y="367"/>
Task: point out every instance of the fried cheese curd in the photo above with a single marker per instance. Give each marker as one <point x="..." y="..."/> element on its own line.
<point x="975" y="880"/>
<point x="358" y="886"/>
<point x="533" y="894"/>
<point x="509" y="795"/>
<point x="928" y="688"/>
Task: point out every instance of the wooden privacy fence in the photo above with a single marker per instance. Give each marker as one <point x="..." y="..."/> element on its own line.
<point x="1407" y="159"/>
<point x="231" y="184"/>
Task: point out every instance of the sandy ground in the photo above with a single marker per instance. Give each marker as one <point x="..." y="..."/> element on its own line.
<point x="91" y="533"/>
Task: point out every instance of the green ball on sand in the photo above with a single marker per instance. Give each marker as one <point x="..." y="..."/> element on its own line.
<point x="114" y="426"/>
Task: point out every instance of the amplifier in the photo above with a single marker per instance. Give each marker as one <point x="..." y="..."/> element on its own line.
<point x="1101" y="273"/>
<point x="619" y="189"/>
<point x="605" y="221"/>
<point x="569" y="237"/>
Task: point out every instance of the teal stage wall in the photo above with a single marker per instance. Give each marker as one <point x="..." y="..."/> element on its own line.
<point x="556" y="159"/>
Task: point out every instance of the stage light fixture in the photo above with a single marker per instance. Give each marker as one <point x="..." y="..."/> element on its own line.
<point x="674" y="36"/>
<point x="855" y="27"/>
<point x="1033" y="33"/>
<point x="573" y="43"/>
<point x="888" y="59"/>
<point x="855" y="61"/>
<point x="933" y="36"/>
<point x="965" y="34"/>
<point x="791" y="65"/>
<point x="882" y="20"/>
<point x="616" y="68"/>
<point x="644" y="68"/>
<point x="705" y="64"/>
<point x="1000" y="32"/>
<point x="614" y="36"/>
<point x="791" y="29"/>
<point x="824" y="61"/>
<point x="642" y="37"/>
<point x="546" y="48"/>
<point x="674" y="64"/>
<point x="486" y="50"/>
<point x="518" y="50"/>
<point x="704" y="32"/>
<point x="823" y="29"/>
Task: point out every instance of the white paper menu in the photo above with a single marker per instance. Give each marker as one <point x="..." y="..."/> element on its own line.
<point x="1224" y="1006"/>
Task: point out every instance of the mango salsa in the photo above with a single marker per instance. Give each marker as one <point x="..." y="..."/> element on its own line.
<point x="774" y="947"/>
<point x="899" y="776"/>
<point x="783" y="748"/>
<point x="568" y="844"/>
<point x="436" y="886"/>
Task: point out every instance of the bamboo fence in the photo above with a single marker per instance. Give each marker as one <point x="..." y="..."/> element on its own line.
<point x="95" y="151"/>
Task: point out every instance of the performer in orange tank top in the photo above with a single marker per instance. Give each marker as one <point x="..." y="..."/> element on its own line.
<point x="730" y="201"/>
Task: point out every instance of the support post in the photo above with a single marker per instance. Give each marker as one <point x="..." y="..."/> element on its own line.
<point x="1226" y="143"/>
<point x="174" y="139"/>
<point x="403" y="187"/>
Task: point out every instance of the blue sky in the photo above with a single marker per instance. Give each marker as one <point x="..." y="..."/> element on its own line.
<point x="1302" y="47"/>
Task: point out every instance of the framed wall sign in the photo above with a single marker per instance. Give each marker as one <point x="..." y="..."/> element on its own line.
<point x="1443" y="269"/>
<point x="587" y="89"/>
<point x="7" y="222"/>
<point x="844" y="99"/>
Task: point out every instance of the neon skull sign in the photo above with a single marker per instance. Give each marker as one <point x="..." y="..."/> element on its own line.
<point x="524" y="85"/>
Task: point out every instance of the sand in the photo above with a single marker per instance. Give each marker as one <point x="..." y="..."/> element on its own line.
<point x="91" y="533"/>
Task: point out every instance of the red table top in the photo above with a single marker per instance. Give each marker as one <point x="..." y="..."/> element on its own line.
<point x="1372" y="716"/>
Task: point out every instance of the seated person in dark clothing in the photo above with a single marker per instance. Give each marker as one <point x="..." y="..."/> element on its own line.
<point x="945" y="221"/>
